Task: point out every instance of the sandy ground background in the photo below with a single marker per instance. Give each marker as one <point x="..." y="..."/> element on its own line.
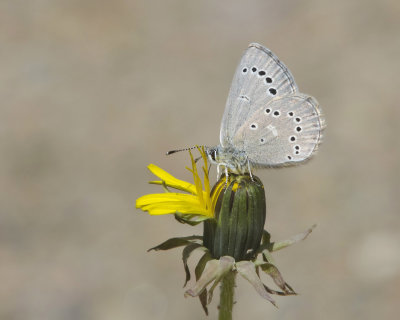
<point x="91" y="91"/>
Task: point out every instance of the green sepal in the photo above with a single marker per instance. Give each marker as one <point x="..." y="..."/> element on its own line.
<point x="214" y="270"/>
<point x="240" y="216"/>
<point x="198" y="272"/>
<point x="256" y="216"/>
<point x="190" y="219"/>
<point x="222" y="230"/>
<point x="247" y="270"/>
<point x="187" y="251"/>
<point x="176" y="242"/>
<point x="267" y="246"/>
<point x="297" y="238"/>
<point x="276" y="276"/>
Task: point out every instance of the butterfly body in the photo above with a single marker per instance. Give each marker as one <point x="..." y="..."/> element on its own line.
<point x="267" y="122"/>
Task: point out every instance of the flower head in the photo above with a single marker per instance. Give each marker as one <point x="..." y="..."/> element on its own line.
<point x="193" y="206"/>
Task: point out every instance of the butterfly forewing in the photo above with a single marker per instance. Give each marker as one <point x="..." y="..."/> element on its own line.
<point x="259" y="78"/>
<point x="286" y="131"/>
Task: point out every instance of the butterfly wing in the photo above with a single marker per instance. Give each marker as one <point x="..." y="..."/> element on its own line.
<point x="286" y="131"/>
<point x="259" y="78"/>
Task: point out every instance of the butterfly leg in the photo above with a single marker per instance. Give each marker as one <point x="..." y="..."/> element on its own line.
<point x="248" y="166"/>
<point x="218" y="171"/>
<point x="219" y="174"/>
<point x="226" y="174"/>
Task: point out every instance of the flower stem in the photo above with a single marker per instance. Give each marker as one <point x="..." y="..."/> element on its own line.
<point x="226" y="297"/>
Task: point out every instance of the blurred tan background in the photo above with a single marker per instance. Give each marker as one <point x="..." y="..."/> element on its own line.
<point x="92" y="91"/>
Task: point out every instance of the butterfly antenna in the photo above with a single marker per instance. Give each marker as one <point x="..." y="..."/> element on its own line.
<point x="179" y="150"/>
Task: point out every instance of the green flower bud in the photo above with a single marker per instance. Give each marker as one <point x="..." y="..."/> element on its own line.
<point x="239" y="220"/>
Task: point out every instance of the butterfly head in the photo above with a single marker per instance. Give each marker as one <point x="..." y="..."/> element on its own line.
<point x="235" y="161"/>
<point x="212" y="154"/>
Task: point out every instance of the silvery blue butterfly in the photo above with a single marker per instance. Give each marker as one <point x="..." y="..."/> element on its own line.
<point x="267" y="122"/>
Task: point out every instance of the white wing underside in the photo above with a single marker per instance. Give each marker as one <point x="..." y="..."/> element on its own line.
<point x="264" y="112"/>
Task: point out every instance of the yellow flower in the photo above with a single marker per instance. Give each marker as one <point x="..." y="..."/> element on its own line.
<point x="195" y="203"/>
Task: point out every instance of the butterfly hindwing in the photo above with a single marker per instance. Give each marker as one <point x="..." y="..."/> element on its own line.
<point x="285" y="131"/>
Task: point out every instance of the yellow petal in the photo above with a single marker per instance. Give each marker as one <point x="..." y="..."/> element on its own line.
<point x="170" y="180"/>
<point x="184" y="203"/>
<point x="197" y="180"/>
<point x="165" y="197"/>
<point x="182" y="185"/>
<point x="166" y="203"/>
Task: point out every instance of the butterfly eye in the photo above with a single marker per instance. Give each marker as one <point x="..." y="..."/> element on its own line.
<point x="298" y="119"/>
<point x="244" y="70"/>
<point x="261" y="73"/>
<point x="268" y="110"/>
<point x="212" y="154"/>
<point x="277" y="113"/>
<point x="254" y="69"/>
<point x="298" y="129"/>
<point x="290" y="114"/>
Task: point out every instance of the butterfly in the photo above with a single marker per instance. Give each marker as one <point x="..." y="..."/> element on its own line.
<point x="267" y="122"/>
